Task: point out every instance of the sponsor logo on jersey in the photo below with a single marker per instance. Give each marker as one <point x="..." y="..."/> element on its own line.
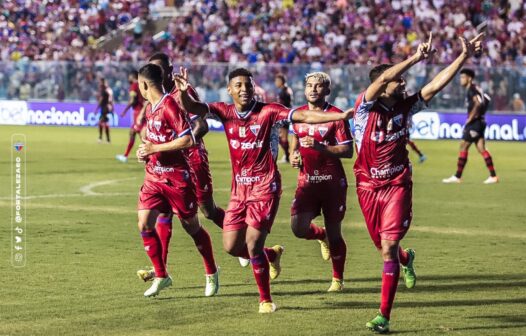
<point x="234" y="144"/>
<point x="323" y="130"/>
<point x="242" y="132"/>
<point x="231" y="130"/>
<point x="246" y="179"/>
<point x="161" y="169"/>
<point x="156" y="137"/>
<point x="311" y="131"/>
<point x="255" y="129"/>
<point x="317" y="178"/>
<point x="383" y="173"/>
<point x="252" y="145"/>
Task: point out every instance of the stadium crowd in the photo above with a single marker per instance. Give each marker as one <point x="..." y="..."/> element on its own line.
<point x="323" y="34"/>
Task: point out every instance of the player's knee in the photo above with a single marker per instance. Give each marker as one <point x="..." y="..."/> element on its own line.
<point x="300" y="231"/>
<point x="389" y="251"/>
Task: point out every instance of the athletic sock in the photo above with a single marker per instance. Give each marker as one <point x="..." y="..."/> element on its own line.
<point x="260" y="268"/>
<point x="204" y="245"/>
<point x="390" y="277"/>
<point x="315" y="232"/>
<point x="152" y="245"/>
<point x="403" y="256"/>
<point x="164" y="231"/>
<point x="131" y="142"/>
<point x="489" y="163"/>
<point x="338" y="255"/>
<point x="462" y="160"/>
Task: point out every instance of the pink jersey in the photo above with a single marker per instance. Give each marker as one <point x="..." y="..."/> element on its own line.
<point x="380" y="134"/>
<point x="318" y="167"/>
<point x="254" y="171"/>
<point x="164" y="123"/>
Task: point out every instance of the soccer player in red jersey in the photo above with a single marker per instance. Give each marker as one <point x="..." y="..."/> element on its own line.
<point x="382" y="167"/>
<point x="256" y="183"/>
<point x="322" y="185"/>
<point x="136" y="102"/>
<point x="477" y="103"/>
<point x="168" y="184"/>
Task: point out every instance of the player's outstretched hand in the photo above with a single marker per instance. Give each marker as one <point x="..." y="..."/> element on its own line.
<point x="140" y="158"/>
<point x="348" y="114"/>
<point x="425" y="49"/>
<point x="472" y="47"/>
<point x="181" y="79"/>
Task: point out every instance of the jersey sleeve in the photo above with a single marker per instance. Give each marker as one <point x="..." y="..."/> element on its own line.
<point x="279" y="114"/>
<point x="176" y="120"/>
<point x="218" y="109"/>
<point x="343" y="133"/>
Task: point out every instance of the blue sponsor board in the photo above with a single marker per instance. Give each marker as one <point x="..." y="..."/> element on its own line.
<point x="426" y="125"/>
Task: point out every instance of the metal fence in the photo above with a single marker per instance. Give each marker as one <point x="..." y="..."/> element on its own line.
<point x="77" y="82"/>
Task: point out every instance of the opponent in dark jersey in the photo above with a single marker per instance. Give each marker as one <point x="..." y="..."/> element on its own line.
<point x="105" y="105"/>
<point x="477" y="104"/>
<point x="285" y="99"/>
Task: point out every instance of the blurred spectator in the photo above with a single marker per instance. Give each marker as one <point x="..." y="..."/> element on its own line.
<point x="517" y="104"/>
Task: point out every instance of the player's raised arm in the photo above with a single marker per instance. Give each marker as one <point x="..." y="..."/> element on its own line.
<point x="317" y="117"/>
<point x="189" y="103"/>
<point x="199" y="127"/>
<point x="446" y="75"/>
<point x="378" y="86"/>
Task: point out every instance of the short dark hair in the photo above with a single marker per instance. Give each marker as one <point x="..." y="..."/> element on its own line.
<point x="282" y="77"/>
<point x="152" y="72"/>
<point x="468" y="72"/>
<point x="239" y="72"/>
<point x="378" y="70"/>
<point x="165" y="60"/>
<point x="134" y="73"/>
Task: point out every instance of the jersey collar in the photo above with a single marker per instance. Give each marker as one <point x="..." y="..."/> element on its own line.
<point x="249" y="111"/>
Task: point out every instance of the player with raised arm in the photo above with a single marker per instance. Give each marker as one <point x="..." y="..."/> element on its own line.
<point x="382" y="167"/>
<point x="256" y="182"/>
<point x="167" y="184"/>
<point x="136" y="102"/>
<point x="477" y="103"/>
<point x="322" y="185"/>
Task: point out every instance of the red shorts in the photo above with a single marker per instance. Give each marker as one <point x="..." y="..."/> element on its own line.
<point x="201" y="176"/>
<point x="258" y="214"/>
<point x="164" y="197"/>
<point x="387" y="211"/>
<point x="330" y="198"/>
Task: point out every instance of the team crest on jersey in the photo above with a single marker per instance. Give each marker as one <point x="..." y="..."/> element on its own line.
<point x="242" y="132"/>
<point x="234" y="144"/>
<point x="255" y="129"/>
<point x="323" y="130"/>
<point x="398" y="120"/>
<point x="157" y="125"/>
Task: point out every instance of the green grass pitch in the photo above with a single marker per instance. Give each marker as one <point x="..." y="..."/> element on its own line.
<point x="84" y="249"/>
